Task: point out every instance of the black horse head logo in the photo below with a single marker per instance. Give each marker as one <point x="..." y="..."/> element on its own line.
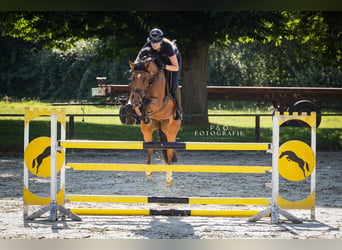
<point x="291" y="156"/>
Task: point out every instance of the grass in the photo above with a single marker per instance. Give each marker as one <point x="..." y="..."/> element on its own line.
<point x="219" y="129"/>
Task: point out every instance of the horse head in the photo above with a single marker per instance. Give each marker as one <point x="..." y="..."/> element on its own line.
<point x="144" y="73"/>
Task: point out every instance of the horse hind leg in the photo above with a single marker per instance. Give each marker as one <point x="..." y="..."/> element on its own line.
<point x="307" y="166"/>
<point x="304" y="172"/>
<point x="170" y="130"/>
<point x="149" y="174"/>
<point x="147" y="131"/>
<point x="169" y="179"/>
<point x="34" y="162"/>
<point x="168" y="157"/>
<point x="302" y="167"/>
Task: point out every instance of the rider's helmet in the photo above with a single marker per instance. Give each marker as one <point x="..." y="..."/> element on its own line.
<point x="156" y="35"/>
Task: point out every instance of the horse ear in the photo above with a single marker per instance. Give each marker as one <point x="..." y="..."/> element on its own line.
<point x="131" y="64"/>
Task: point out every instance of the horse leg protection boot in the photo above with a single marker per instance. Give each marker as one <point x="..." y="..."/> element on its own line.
<point x="144" y="116"/>
<point x="178" y="98"/>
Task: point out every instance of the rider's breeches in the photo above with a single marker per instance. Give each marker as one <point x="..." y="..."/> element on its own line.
<point x="175" y="75"/>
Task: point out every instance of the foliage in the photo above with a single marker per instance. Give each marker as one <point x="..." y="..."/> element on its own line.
<point x="304" y="49"/>
<point x="57" y="74"/>
<point x="57" y="55"/>
<point x="264" y="64"/>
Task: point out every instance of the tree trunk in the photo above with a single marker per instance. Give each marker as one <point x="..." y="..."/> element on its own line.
<point x="194" y="84"/>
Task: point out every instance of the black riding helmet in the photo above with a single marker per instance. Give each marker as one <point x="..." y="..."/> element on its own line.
<point x="156" y="35"/>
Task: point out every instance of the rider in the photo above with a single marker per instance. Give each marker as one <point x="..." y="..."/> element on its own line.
<point x="171" y="61"/>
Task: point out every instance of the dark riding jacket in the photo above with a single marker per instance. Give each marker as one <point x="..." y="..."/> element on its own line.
<point x="166" y="51"/>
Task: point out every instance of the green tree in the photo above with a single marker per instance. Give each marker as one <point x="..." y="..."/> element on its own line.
<point x="126" y="32"/>
<point x="306" y="52"/>
<point x="195" y="31"/>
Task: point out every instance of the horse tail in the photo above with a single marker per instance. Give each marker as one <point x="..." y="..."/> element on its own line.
<point x="163" y="138"/>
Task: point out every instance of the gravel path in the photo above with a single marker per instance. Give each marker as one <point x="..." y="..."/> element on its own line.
<point x="328" y="223"/>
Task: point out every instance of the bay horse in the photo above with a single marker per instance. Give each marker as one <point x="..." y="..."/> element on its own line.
<point x="149" y="98"/>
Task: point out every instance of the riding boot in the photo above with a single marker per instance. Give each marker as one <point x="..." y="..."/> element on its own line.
<point x="179" y="110"/>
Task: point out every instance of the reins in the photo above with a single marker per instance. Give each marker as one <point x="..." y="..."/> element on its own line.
<point x="140" y="67"/>
<point x="142" y="92"/>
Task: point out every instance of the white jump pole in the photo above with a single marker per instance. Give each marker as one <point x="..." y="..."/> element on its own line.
<point x="63" y="137"/>
<point x="275" y="173"/>
<point x="26" y="172"/>
<point x="53" y="168"/>
<point x="313" y="173"/>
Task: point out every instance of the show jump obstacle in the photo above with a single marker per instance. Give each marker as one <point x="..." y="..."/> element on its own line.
<point x="45" y="158"/>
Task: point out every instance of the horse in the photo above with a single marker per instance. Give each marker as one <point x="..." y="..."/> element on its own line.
<point x="148" y="97"/>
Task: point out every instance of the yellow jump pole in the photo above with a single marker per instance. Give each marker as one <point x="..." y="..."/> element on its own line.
<point x="92" y="144"/>
<point x="172" y="212"/>
<point x="180" y="200"/>
<point x="166" y="168"/>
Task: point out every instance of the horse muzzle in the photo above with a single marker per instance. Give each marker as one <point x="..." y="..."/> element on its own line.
<point x="137" y="98"/>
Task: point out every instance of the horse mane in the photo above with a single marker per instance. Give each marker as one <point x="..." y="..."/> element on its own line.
<point x="139" y="64"/>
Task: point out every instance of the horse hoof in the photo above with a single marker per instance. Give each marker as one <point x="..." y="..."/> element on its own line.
<point x="169" y="183"/>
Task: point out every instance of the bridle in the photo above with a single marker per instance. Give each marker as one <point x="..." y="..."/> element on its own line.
<point x="140" y="68"/>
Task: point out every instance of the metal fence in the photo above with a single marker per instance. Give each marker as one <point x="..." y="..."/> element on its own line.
<point x="71" y="127"/>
